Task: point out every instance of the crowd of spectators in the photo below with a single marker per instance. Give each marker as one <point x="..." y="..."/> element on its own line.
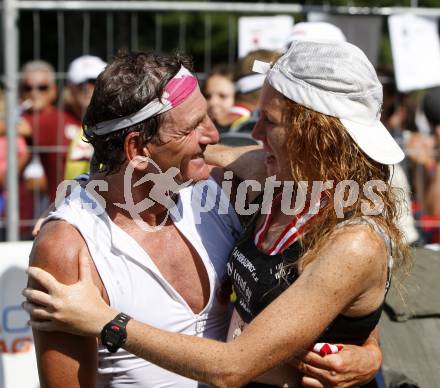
<point x="49" y="136"/>
<point x="51" y="147"/>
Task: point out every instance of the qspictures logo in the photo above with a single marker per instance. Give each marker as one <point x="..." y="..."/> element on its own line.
<point x="163" y="187"/>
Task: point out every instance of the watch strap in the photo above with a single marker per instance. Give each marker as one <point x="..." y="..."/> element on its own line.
<point x="122" y="319"/>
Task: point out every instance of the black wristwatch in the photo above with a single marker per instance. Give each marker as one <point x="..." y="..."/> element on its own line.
<point x="114" y="333"/>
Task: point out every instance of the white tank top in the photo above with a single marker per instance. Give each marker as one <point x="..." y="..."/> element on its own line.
<point x="136" y="287"/>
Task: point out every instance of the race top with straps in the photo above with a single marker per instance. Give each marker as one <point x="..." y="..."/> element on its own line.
<point x="258" y="278"/>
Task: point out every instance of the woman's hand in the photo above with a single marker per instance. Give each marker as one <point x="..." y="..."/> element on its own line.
<point x="78" y="308"/>
<point x="353" y="365"/>
<point x="37" y="226"/>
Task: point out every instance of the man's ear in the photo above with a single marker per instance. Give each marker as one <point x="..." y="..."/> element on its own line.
<point x="132" y="146"/>
<point x="134" y="150"/>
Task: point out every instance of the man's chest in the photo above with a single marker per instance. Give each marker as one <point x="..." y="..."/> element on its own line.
<point x="180" y="264"/>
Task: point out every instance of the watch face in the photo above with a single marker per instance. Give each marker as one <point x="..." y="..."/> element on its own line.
<point x="113" y="334"/>
<point x="113" y="337"/>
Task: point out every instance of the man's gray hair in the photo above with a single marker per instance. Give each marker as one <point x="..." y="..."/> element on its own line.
<point x="39" y="65"/>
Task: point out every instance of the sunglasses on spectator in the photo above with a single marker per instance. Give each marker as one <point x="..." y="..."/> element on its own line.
<point x="41" y="88"/>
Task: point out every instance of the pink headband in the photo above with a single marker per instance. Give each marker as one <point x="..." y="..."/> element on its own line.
<point x="176" y="91"/>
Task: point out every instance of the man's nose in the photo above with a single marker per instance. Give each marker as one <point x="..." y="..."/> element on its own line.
<point x="209" y="134"/>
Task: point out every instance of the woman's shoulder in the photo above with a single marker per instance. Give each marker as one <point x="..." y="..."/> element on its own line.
<point x="360" y="239"/>
<point x="350" y="268"/>
<point x="361" y="234"/>
<point x="354" y="247"/>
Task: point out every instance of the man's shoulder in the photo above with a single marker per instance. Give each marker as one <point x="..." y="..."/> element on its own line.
<point x="60" y="354"/>
<point x="56" y="250"/>
<point x="78" y="202"/>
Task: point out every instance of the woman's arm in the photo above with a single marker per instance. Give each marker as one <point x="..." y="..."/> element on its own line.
<point x="245" y="162"/>
<point x="346" y="269"/>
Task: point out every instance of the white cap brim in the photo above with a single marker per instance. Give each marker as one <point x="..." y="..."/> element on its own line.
<point x="375" y="141"/>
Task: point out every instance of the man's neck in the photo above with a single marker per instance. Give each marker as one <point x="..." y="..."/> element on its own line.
<point x="118" y="195"/>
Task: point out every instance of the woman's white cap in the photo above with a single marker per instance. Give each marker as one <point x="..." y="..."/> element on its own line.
<point x="337" y="79"/>
<point x="316" y="31"/>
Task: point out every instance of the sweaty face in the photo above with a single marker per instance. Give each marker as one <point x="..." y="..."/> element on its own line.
<point x="272" y="132"/>
<point x="185" y="132"/>
<point x="219" y="93"/>
<point x="39" y="88"/>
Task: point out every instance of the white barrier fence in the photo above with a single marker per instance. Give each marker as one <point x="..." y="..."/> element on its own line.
<point x="18" y="368"/>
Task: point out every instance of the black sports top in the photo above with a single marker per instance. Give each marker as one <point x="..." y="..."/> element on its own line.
<point x="259" y="278"/>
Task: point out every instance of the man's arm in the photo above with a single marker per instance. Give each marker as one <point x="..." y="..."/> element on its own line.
<point x="64" y="360"/>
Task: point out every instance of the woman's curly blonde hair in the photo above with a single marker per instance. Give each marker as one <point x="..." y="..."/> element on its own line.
<point x="319" y="148"/>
